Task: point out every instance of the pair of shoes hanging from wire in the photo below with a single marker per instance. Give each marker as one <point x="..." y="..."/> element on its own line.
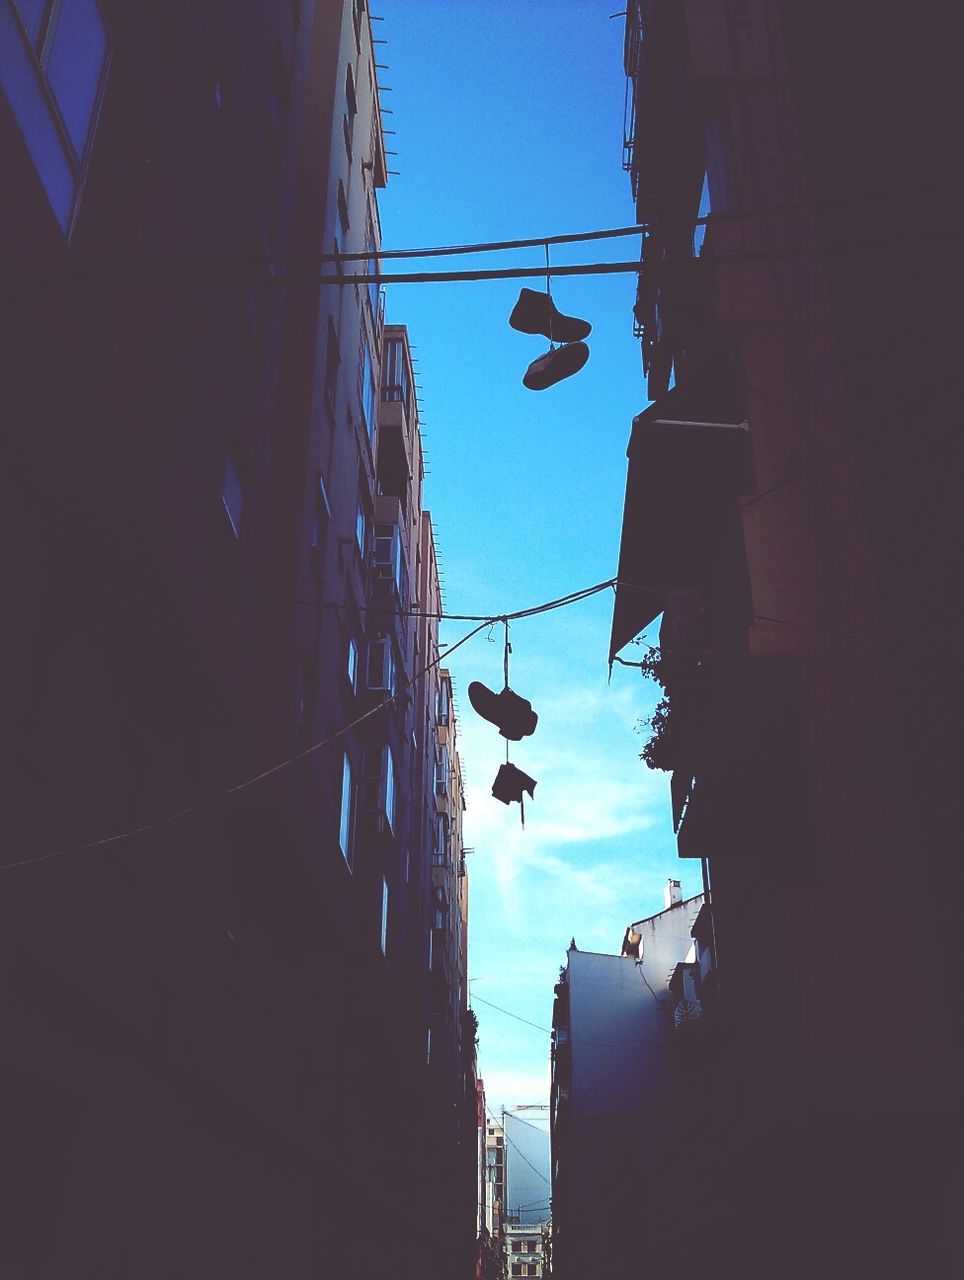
<point x="535" y="312"/>
<point x="514" y="718"/>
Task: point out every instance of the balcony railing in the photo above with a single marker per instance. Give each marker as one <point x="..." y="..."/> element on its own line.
<point x="632" y="49"/>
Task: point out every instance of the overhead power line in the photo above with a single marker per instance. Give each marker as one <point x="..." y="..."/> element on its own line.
<point x="520" y="1154"/>
<point x="525" y="242"/>
<point x="573" y="598"/>
<point x="478" y="1000"/>
<point x="188" y="810"/>
<point x="220" y="273"/>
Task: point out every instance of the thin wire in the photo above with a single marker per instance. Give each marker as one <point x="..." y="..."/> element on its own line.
<point x="549" y="295"/>
<point x="639" y="967"/>
<point x="532" y="242"/>
<point x="448" y="650"/>
<point x="515" y="1148"/>
<point x="248" y="782"/>
<point x="498" y="246"/>
<point x="490" y="618"/>
<point x="636" y="267"/>
<point x="508" y="1014"/>
<point x="815" y="462"/>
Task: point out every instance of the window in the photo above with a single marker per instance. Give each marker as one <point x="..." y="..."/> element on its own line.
<point x="439" y="919"/>
<point x="352" y="663"/>
<point x="440" y="854"/>
<point x="442" y="772"/>
<point x="332" y="361"/>
<point x="699" y="231"/>
<point x="531" y="1268"/>
<point x="396" y="383"/>
<point x="387" y="554"/>
<point x="361" y="532"/>
<point x="390" y="789"/>
<point x="232" y="495"/>
<point x="517" y="1268"/>
<point x="718" y="174"/>
<point x="381" y="665"/>
<point x="371" y="268"/>
<point x="348" y="119"/>
<point x="53" y="74"/>
<point x="443" y="702"/>
<point x="380" y="784"/>
<point x="343" y="208"/>
<point x="428" y="1047"/>
<point x="366" y="387"/>
<point x="321" y="520"/>
<point x="384" y="928"/>
<point x="346" y="826"/>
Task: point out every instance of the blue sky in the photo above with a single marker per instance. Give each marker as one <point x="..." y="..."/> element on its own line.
<point x="509" y="125"/>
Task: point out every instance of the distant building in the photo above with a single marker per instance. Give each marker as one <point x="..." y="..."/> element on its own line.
<point x="524" y="1249"/>
<point x="496" y="1173"/>
<point x="616" y="1177"/>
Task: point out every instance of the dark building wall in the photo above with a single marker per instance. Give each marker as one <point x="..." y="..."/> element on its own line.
<point x="810" y="769"/>
<point x="207" y="1052"/>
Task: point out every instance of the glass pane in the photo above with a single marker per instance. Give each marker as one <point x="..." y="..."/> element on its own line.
<point x="75" y="63"/>
<point x="18" y="79"/>
<point x="233" y="495"/>
<point x="706" y="208"/>
<point x="31" y="14"/>
<point x="345" y="818"/>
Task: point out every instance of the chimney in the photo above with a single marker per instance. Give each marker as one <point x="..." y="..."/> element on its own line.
<point x="672" y="893"/>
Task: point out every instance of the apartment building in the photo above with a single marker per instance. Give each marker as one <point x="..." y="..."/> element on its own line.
<point x="524" y="1249"/>
<point x="789" y="503"/>
<point x="222" y="696"/>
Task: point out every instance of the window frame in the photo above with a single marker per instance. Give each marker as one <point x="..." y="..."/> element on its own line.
<point x="383" y="932"/>
<point x="347" y="813"/>
<point x="40" y="48"/>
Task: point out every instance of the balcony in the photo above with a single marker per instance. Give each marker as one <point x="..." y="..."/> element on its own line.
<point x="397" y="418"/>
<point x="658" y="126"/>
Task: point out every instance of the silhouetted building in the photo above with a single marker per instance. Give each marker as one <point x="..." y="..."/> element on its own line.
<point x="618" y="1164"/>
<point x="791" y="513"/>
<point x="217" y="1025"/>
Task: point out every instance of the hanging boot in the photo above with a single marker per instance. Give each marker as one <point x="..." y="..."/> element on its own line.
<point x="512" y="714"/>
<point x="536" y="313"/>
<point x="561" y="362"/>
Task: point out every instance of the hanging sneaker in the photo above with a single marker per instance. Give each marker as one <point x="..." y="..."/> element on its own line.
<point x="536" y="313"/>
<point x="555" y="365"/>
<point x="512" y="714"/>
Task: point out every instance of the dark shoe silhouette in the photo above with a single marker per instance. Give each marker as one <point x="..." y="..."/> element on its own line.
<point x="510" y="783"/>
<point x="536" y="313"/>
<point x="555" y="365"/>
<point x="513" y="715"/>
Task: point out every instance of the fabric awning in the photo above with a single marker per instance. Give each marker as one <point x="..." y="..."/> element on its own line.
<point x="688" y="456"/>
